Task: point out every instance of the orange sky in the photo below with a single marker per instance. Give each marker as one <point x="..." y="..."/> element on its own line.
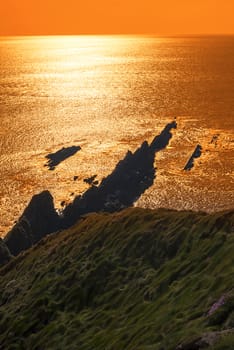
<point x="25" y="17"/>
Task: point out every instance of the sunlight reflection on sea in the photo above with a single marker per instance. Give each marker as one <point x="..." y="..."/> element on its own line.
<point x="109" y="94"/>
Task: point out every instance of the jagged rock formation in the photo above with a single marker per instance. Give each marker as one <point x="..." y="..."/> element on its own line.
<point x="38" y="219"/>
<point x="129" y="180"/>
<point x="196" y="154"/>
<point x="125" y="280"/>
<point x="162" y="140"/>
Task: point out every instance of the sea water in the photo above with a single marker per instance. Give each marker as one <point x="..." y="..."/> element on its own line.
<point x="108" y="94"/>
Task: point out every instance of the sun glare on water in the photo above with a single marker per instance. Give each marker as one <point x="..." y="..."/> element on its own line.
<point x="108" y="94"/>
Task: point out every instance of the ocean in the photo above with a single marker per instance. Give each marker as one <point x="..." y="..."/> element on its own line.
<point x="108" y="94"/>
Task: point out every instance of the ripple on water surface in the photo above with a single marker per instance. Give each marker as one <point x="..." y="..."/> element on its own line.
<point x="107" y="95"/>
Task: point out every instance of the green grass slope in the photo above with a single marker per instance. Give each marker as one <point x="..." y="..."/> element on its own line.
<point x="134" y="280"/>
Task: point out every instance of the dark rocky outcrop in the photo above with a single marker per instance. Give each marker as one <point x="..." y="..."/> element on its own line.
<point x="55" y="158"/>
<point x="5" y="254"/>
<point x="130" y="179"/>
<point x="20" y="237"/>
<point x="38" y="219"/>
<point x="91" y="180"/>
<point x="214" y="140"/>
<point x="196" y="154"/>
<point x="162" y="140"/>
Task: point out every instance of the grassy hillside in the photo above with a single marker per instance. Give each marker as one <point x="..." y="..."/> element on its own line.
<point x="134" y="280"/>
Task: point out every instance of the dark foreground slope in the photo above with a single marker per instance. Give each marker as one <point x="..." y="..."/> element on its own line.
<point x="133" y="280"/>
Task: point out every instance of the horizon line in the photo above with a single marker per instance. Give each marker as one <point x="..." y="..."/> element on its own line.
<point x="119" y="34"/>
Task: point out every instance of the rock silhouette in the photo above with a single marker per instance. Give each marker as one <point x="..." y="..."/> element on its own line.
<point x="132" y="176"/>
<point x="214" y="140"/>
<point x="20" y="237"/>
<point x="56" y="158"/>
<point x="161" y="141"/>
<point x="129" y="180"/>
<point x="196" y="154"/>
<point x="91" y="180"/>
<point x="38" y="219"/>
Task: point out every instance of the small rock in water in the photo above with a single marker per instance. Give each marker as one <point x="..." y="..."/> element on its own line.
<point x="196" y="154"/>
<point x="91" y="180"/>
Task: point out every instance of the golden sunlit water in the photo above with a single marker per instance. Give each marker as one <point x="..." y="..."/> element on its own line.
<point x="107" y="95"/>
